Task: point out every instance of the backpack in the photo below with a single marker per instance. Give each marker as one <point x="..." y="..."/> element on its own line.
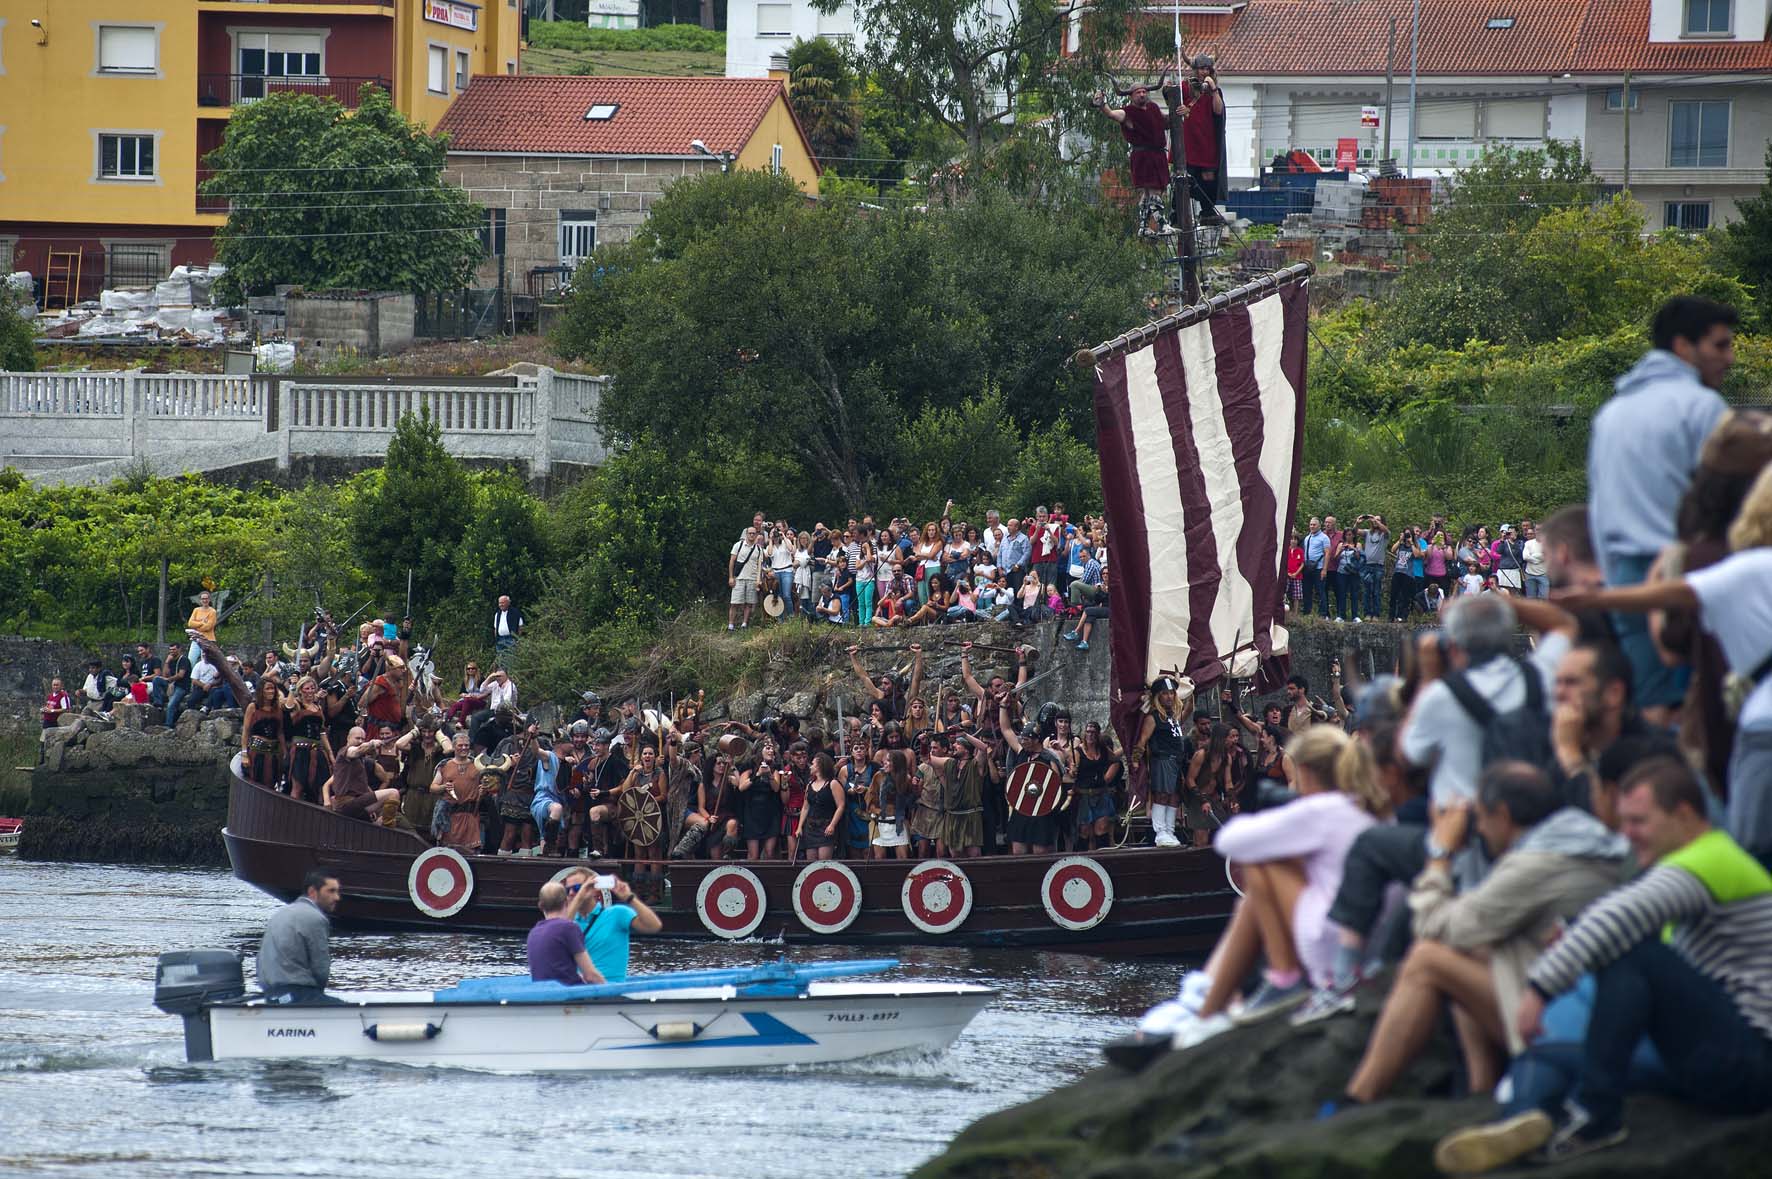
<point x="1521" y="734"/>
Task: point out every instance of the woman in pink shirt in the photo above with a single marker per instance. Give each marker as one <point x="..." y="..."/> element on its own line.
<point x="1291" y="858"/>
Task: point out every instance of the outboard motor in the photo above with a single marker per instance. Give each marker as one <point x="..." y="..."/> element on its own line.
<point x="187" y="982"/>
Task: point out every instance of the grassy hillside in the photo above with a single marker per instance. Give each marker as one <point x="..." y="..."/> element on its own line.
<point x="562" y="47"/>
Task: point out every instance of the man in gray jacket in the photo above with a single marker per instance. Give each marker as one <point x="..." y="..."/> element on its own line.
<point x="1641" y="455"/>
<point x="293" y="960"/>
<point x="1473" y="949"/>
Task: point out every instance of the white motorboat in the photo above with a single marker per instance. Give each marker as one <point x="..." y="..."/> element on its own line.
<point x="764" y="1017"/>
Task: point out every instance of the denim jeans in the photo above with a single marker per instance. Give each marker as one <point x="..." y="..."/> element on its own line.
<point x="176" y="696"/>
<point x="784" y="585"/>
<point x="1537" y="585"/>
<point x="1313" y="586"/>
<point x="1713" y="1057"/>
<point x="1653" y="684"/>
<point x="1372" y="580"/>
<point x="1750" y="792"/>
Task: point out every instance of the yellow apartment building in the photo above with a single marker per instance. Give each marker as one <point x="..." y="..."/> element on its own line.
<point x="107" y="107"/>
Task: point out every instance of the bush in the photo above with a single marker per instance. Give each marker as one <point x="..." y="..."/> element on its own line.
<point x="16" y="332"/>
<point x="577" y="38"/>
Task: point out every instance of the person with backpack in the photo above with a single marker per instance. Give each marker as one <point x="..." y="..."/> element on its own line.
<point x="1481" y="704"/>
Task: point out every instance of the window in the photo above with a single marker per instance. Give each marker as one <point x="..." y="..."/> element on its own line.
<point x="601" y="112"/>
<point x="128" y="49"/>
<point x="1698" y="134"/>
<point x="1500" y="22"/>
<point x="1707" y="17"/>
<point x="1513" y="118"/>
<point x="492" y="233"/>
<point x="438" y="82"/>
<point x="775" y="20"/>
<point x="578" y="235"/>
<point x="775" y="158"/>
<point x="275" y="56"/>
<point x="1615" y="98"/>
<point x="461" y="69"/>
<point x="126" y="157"/>
<point x="1448" y="118"/>
<point x="1692" y="216"/>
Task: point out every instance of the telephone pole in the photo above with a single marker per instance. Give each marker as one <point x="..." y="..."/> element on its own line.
<point x="1627" y="132"/>
<point x="1414" y="64"/>
<point x="1390" y="85"/>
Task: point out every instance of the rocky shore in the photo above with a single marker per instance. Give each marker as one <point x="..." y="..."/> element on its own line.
<point x="1243" y="1106"/>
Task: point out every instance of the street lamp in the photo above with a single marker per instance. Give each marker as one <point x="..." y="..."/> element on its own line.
<point x="725" y="157"/>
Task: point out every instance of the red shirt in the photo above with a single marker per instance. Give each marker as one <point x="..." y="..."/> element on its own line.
<point x="1199" y="131"/>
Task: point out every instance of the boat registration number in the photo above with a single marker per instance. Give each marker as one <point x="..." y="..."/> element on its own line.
<point x="860" y="1016"/>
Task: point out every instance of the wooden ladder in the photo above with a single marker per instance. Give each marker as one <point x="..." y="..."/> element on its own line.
<point x="61" y="278"/>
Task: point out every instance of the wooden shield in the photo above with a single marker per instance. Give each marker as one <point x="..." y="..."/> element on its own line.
<point x="638" y="815"/>
<point x="1034" y="787"/>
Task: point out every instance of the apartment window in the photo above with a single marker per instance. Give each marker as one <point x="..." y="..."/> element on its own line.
<point x="461" y="69"/>
<point x="492" y="233"/>
<point x="128" y="49"/>
<point x="126" y="157"/>
<point x="1698" y="134"/>
<point x="775" y="20"/>
<point x="1706" y="17"/>
<point x="1615" y="98"/>
<point x="775" y="158"/>
<point x="438" y="81"/>
<point x="578" y="235"/>
<point x="1691" y="216"/>
<point x="281" y="55"/>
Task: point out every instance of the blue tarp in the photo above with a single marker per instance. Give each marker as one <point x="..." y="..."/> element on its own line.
<point x="781" y="977"/>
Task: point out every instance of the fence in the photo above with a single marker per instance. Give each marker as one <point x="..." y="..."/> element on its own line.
<point x="83" y="426"/>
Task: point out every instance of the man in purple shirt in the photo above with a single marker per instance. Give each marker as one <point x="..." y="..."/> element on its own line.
<point x="556" y="947"/>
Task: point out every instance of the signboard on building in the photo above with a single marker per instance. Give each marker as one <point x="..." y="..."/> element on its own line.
<point x="613" y="14"/>
<point x="1368" y="116"/>
<point x="447" y="12"/>
<point x="1347" y="155"/>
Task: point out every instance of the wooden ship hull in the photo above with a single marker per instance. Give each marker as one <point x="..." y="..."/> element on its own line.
<point x="1135" y="901"/>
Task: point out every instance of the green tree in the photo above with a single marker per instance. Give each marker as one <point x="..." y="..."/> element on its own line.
<point x="1747" y="244"/>
<point x="503" y="550"/>
<point x="822" y="93"/>
<point x="16" y="332"/>
<point x="410" y="515"/>
<point x="974" y="65"/>
<point x="329" y="198"/>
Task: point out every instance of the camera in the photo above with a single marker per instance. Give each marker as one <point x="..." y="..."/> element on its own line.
<point x="603" y="883"/>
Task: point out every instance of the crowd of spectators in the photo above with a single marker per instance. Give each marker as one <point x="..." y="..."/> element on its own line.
<point x="1560" y="840"/>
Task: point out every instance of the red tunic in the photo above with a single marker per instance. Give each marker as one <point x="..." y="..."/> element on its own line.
<point x="1146" y="129"/>
<point x="1199" y="131"/>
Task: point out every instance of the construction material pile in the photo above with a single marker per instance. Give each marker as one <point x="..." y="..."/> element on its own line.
<point x="178" y="310"/>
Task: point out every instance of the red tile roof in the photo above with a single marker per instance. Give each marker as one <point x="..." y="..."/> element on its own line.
<point x="542" y="114"/>
<point x="1547" y="37"/>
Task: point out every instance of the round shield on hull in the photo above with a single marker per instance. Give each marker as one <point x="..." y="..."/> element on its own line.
<point x="827" y="896"/>
<point x="937" y="896"/>
<point x="1077" y="893"/>
<point x="1033" y="789"/>
<point x="730" y="902"/>
<point x="440" y="882"/>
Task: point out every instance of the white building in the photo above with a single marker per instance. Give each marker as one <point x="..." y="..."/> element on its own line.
<point x="757" y="31"/>
<point x="1298" y="73"/>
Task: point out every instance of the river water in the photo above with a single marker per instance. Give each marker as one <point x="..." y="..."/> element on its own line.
<point x="93" y="1079"/>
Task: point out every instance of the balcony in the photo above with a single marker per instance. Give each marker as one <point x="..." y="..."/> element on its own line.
<point x="218" y="94"/>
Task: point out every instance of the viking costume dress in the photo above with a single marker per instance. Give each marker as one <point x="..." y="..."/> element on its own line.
<point x="1095" y="797"/>
<point x="653" y="784"/>
<point x="821" y="808"/>
<point x="857" y="827"/>
<point x="963" y="822"/>
<point x="928" y="821"/>
<point x="264" y="755"/>
<point x="760" y="811"/>
<point x="514" y="803"/>
<point x="1147" y="133"/>
<point x="463" y="786"/>
<point x="307" y="757"/>
<point x="417" y="803"/>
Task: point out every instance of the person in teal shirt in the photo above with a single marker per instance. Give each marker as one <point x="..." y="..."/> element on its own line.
<point x="607" y="918"/>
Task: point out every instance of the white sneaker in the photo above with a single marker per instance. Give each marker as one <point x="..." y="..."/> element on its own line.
<point x="538" y="849"/>
<point x="503" y="852"/>
<point x="1199" y="1030"/>
<point x="1356" y="618"/>
<point x="1165" y="1019"/>
<point x="1167" y="839"/>
<point x="1193" y="990"/>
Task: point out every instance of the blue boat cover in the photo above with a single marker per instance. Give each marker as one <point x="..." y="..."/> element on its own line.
<point x="774" y="978"/>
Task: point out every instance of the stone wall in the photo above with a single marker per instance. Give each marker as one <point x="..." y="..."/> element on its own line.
<point x="533" y="190"/>
<point x="130" y="790"/>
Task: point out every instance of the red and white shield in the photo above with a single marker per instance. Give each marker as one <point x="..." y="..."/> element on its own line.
<point x="1034" y="788"/>
<point x="1234" y="874"/>
<point x="827" y="896"/>
<point x="440" y="882"/>
<point x="730" y="901"/>
<point x="937" y="896"/>
<point x="1077" y="892"/>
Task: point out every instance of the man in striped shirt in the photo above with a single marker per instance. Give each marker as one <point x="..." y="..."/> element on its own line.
<point x="1702" y="997"/>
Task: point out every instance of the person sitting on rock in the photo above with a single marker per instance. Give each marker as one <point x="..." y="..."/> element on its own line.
<point x="1473" y="949"/>
<point x="1682" y="955"/>
<point x="1291" y="859"/>
<point x="55" y="703"/>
